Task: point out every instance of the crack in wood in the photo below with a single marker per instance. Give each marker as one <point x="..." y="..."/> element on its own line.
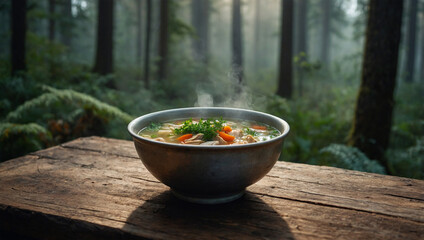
<point x="144" y="179"/>
<point x="404" y="197"/>
<point x="97" y="151"/>
<point x="335" y="206"/>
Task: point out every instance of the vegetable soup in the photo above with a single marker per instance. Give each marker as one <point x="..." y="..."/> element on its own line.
<point x="209" y="132"/>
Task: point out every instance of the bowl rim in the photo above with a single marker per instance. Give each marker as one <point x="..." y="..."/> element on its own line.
<point x="286" y="127"/>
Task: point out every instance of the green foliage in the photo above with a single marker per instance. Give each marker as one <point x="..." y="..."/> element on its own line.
<point x="57" y="116"/>
<point x="343" y="156"/>
<point x="177" y="27"/>
<point x="408" y="162"/>
<point x="315" y="122"/>
<point x="301" y="61"/>
<point x="19" y="139"/>
<point x="45" y="59"/>
<point x="17" y="92"/>
<point x="55" y="96"/>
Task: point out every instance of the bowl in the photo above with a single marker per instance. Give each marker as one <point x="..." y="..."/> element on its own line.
<point x="203" y="173"/>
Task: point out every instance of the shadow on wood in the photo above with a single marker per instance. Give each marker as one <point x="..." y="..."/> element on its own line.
<point x="247" y="217"/>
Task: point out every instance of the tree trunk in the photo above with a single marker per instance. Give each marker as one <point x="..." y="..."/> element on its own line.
<point x="163" y="40"/>
<point x="200" y="22"/>
<point x="412" y="27"/>
<point x="18" y="27"/>
<point x="147" y="44"/>
<point x="256" y="43"/>
<point x="52" y="6"/>
<point x="326" y="32"/>
<point x="373" y="113"/>
<point x="422" y="50"/>
<point x="66" y="26"/>
<point x="237" y="63"/>
<point x="302" y="46"/>
<point x="104" y="52"/>
<point x="285" y="79"/>
<point x="138" y="33"/>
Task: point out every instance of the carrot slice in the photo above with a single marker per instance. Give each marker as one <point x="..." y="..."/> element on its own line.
<point x="258" y="127"/>
<point x="184" y="137"/>
<point x="226" y="137"/>
<point x="227" y="129"/>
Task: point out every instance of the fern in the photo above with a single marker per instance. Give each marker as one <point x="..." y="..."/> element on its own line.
<point x="7" y="129"/>
<point x="19" y="139"/>
<point x="408" y="162"/>
<point x="81" y="100"/>
<point x="351" y="158"/>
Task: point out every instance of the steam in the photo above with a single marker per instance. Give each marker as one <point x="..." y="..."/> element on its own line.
<point x="224" y="90"/>
<point x="203" y="99"/>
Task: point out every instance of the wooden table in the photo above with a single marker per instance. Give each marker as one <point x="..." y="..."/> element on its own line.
<point x="97" y="188"/>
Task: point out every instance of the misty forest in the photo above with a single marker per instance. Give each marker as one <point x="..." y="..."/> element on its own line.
<point x="347" y="75"/>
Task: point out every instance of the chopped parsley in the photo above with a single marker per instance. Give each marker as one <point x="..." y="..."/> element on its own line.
<point x="154" y="126"/>
<point x="209" y="127"/>
<point x="274" y="133"/>
<point x="250" y="132"/>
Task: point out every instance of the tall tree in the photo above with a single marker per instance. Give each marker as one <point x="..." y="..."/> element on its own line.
<point x="373" y="113"/>
<point x="256" y="43"/>
<point x="237" y="46"/>
<point x="200" y="20"/>
<point x="302" y="46"/>
<point x="326" y="31"/>
<point x="412" y="27"/>
<point x="52" y="22"/>
<point x="18" y="27"/>
<point x="104" y="52"/>
<point x="138" y="33"/>
<point x="66" y="25"/>
<point x="422" y="48"/>
<point x="285" y="78"/>
<point x="147" y="44"/>
<point x="163" y="39"/>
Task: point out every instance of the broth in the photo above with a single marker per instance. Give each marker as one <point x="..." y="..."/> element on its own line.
<point x="209" y="132"/>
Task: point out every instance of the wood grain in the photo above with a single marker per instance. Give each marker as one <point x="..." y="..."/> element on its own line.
<point x="97" y="188"/>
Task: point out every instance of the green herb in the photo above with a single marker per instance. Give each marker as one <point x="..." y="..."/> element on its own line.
<point x="209" y="128"/>
<point x="153" y="136"/>
<point x="250" y="131"/>
<point x="154" y="126"/>
<point x="274" y="133"/>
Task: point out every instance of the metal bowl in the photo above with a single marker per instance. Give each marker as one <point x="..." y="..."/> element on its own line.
<point x="208" y="174"/>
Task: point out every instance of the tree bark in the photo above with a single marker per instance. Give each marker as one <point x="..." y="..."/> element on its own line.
<point x="237" y="61"/>
<point x="147" y="44"/>
<point x="18" y="39"/>
<point x="138" y="33"/>
<point x="258" y="53"/>
<point x="302" y="46"/>
<point x="200" y="21"/>
<point x="163" y="39"/>
<point x="412" y="27"/>
<point x="326" y="32"/>
<point x="422" y="50"/>
<point x="66" y="26"/>
<point x="104" y="52"/>
<point x="52" y="22"/>
<point x="373" y="114"/>
<point x="285" y="79"/>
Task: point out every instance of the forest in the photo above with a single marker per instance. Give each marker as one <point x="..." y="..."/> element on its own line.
<point x="347" y="75"/>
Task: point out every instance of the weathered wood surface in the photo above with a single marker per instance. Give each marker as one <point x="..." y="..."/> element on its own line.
<point x="97" y="188"/>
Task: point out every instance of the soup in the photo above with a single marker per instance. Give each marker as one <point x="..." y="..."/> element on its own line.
<point x="209" y="132"/>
